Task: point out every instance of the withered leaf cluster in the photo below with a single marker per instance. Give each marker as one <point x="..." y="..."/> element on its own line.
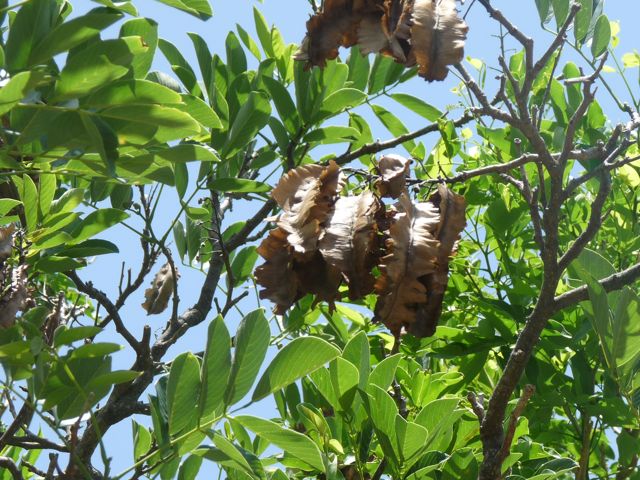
<point x="426" y="33"/>
<point x="323" y="239"/>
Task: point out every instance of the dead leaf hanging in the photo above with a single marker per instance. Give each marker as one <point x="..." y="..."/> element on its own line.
<point x="336" y="25"/>
<point x="411" y="253"/>
<point x="6" y="241"/>
<point x="428" y="33"/>
<point x="306" y="195"/>
<point x="276" y="276"/>
<point x="322" y="240"/>
<point x="393" y="170"/>
<point x="157" y="297"/>
<point x="350" y="241"/>
<point x="437" y="37"/>
<point x="452" y="221"/>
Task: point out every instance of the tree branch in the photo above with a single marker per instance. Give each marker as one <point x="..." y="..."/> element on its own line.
<point x="613" y="282"/>
<point x="10" y="465"/>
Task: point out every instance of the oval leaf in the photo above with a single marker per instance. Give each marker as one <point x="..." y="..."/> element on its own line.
<point x="298" y="358"/>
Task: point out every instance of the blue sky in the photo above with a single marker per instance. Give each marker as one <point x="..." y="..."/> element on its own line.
<point x="290" y="17"/>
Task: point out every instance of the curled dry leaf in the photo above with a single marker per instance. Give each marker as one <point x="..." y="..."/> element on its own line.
<point x="293" y="265"/>
<point x="336" y="25"/>
<point x="350" y="242"/>
<point x="343" y="243"/>
<point x="393" y="170"/>
<point x="6" y="241"/>
<point x="157" y="297"/>
<point x="428" y="33"/>
<point x="16" y="298"/>
<point x="276" y="276"/>
<point x="411" y="254"/>
<point x="451" y="224"/>
<point x="438" y="36"/>
<point x="306" y="195"/>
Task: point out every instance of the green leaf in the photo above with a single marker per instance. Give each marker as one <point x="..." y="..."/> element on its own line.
<point x="252" y="341"/>
<point x="70" y="34"/>
<point x="189" y="468"/>
<point x="243" y="263"/>
<point x="182" y="391"/>
<point x="131" y="92"/>
<point x="393" y="124"/>
<point x="292" y="442"/>
<point x="418" y="106"/>
<point x="263" y="31"/>
<point x="197" y="8"/>
<point x="90" y="248"/>
<point x="216" y="366"/>
<point x="438" y="418"/>
<point x="113" y="378"/>
<point x="357" y="352"/>
<point x="97" y="222"/>
<point x="29" y="196"/>
<point x="93" y="350"/>
<point x="66" y="336"/>
<point x="345" y="379"/>
<point x="331" y="134"/>
<point x="298" y="358"/>
<point x="46" y="191"/>
<point x="251" y="118"/>
<point x="544" y="8"/>
<point x="601" y="36"/>
<point x="340" y="100"/>
<point x="383" y="411"/>
<point x="8" y="204"/>
<point x="583" y="20"/>
<point x="234" y="454"/>
<point x="240" y="185"/>
<point x="384" y="373"/>
<point x="147" y="30"/>
<point x="139" y="124"/>
<point x="284" y="104"/>
<point x="236" y="59"/>
<point x="200" y="111"/>
<point x="410" y="441"/>
<point x="17" y="88"/>
<point x="54" y="264"/>
<point x="626" y="333"/>
<point x="560" y="11"/>
<point x="180" y="238"/>
<point x="180" y="66"/>
<point x="248" y="42"/>
<point x="96" y="65"/>
<point x="32" y="22"/>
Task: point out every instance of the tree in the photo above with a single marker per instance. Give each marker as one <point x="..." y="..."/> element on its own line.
<point x="533" y="369"/>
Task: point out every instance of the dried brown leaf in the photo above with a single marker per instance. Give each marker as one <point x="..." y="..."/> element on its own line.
<point x="335" y="26"/>
<point x="276" y="276"/>
<point x="157" y="297"/>
<point x="6" y="241"/>
<point x="16" y="298"/>
<point x="452" y="221"/>
<point x="411" y="253"/>
<point x="350" y="241"/>
<point x="286" y="276"/>
<point x="306" y="195"/>
<point x="393" y="170"/>
<point x="437" y="37"/>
